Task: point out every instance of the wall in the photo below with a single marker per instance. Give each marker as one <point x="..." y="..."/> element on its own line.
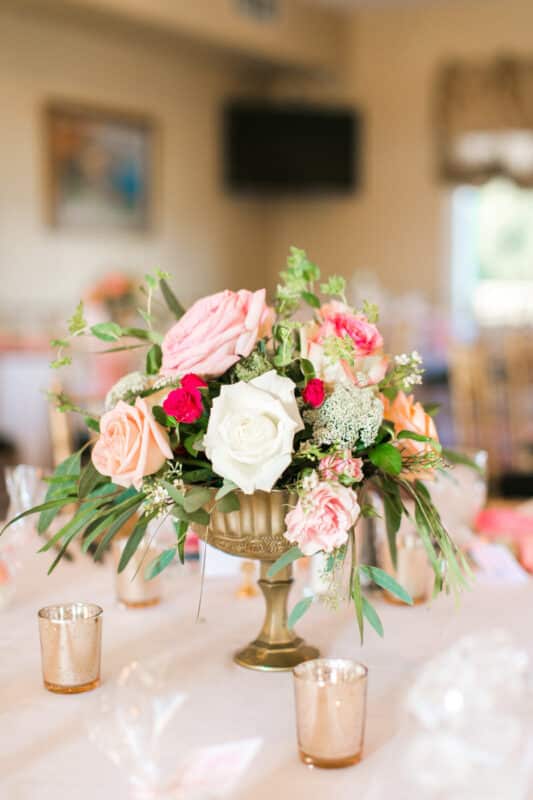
<point x="397" y="225"/>
<point x="207" y="239"/>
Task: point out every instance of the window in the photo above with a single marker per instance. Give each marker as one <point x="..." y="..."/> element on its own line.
<point x="492" y="256"/>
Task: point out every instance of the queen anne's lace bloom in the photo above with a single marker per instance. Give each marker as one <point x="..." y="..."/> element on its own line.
<point x="349" y="416"/>
<point x="127" y="388"/>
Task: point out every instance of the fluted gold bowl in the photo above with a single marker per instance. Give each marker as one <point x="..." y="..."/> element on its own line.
<point x="256" y="531"/>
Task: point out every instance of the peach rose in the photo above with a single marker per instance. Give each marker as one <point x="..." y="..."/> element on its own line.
<point x="322" y="519"/>
<point x="406" y="415"/>
<point x="215" y="332"/>
<point x="131" y="444"/>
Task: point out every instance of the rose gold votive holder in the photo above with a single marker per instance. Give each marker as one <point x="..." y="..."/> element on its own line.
<point x="71" y="636"/>
<point x="132" y="588"/>
<point x="330" y="711"/>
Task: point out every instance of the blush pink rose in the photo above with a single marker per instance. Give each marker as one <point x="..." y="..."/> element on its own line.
<point x="332" y="467"/>
<point x="338" y="320"/>
<point x="215" y="332"/>
<point x="322" y="519"/>
<point x="131" y="444"/>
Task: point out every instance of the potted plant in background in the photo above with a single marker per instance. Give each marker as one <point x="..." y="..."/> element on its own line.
<point x="265" y="433"/>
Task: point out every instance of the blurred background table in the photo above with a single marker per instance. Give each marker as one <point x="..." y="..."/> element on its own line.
<point x="45" y="750"/>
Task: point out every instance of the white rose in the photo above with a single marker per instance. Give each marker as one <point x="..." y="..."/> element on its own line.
<point x="249" y="438"/>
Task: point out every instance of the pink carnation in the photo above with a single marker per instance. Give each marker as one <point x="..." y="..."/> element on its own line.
<point x="338" y="320"/>
<point x="185" y="404"/>
<point x="322" y="519"/>
<point x="215" y="332"/>
<point x="332" y="467"/>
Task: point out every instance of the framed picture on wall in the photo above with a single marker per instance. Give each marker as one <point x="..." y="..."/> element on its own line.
<point x="99" y="168"/>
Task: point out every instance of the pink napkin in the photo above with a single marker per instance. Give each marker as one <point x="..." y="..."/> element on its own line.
<point x="510" y="525"/>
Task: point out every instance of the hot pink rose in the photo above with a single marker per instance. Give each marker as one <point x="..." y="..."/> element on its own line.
<point x="332" y="467"/>
<point x="215" y="332"/>
<point x="322" y="519"/>
<point x="131" y="444"/>
<point x="314" y="393"/>
<point x="185" y="404"/>
<point x="339" y="320"/>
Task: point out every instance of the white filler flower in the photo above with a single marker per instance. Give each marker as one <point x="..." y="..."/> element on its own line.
<point x="251" y="429"/>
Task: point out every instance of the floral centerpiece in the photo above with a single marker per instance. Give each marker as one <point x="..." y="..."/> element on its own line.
<point x="239" y="398"/>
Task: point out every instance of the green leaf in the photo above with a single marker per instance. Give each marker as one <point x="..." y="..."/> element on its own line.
<point x="198" y="475"/>
<point x="307" y="368"/>
<point x="133" y="542"/>
<point x="357" y="596"/>
<point x="459" y="458"/>
<point x="387" y="458"/>
<point x="154" y="358"/>
<point x="76" y="323"/>
<point x="163" y="418"/>
<point x="368" y="511"/>
<point x="418" y="437"/>
<point x="160" y="563"/>
<point x="107" y="331"/>
<point x="48" y="505"/>
<point x="371" y="615"/>
<point x="311" y="299"/>
<point x="392" y="504"/>
<point x="192" y="442"/>
<point x="181" y="527"/>
<point x="299" y="610"/>
<point x="92" y="423"/>
<point x="227" y="487"/>
<point x="228" y="503"/>
<point x="59" y="343"/>
<point x="175" y="494"/>
<point x="60" y="362"/>
<point x="388" y="583"/>
<point x="70" y="468"/>
<point x="196" y="498"/>
<point x="89" y="479"/>
<point x="200" y="517"/>
<point x="171" y="300"/>
<point x="432" y="409"/>
<point x="283" y="561"/>
<point x="114" y="529"/>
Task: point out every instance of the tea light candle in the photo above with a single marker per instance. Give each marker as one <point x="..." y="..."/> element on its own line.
<point x="330" y="698"/>
<point x="71" y="636"/>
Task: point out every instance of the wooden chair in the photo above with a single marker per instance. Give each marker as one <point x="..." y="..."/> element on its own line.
<point x="518" y="372"/>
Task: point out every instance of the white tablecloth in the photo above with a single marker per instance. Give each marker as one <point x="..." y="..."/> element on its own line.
<point x="45" y="753"/>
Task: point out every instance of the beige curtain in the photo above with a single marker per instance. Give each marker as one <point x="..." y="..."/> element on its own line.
<point x="484" y="121"/>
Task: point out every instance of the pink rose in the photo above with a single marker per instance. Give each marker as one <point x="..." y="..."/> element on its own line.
<point x="338" y="320"/>
<point x="185" y="404"/>
<point x="314" y="393"/>
<point x="215" y="332"/>
<point x="131" y="444"/>
<point x="322" y="519"/>
<point x="332" y="467"/>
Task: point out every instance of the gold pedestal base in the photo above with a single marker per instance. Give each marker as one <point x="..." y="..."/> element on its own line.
<point x="277" y="648"/>
<point x="329" y="763"/>
<point x="275" y="657"/>
<point x="84" y="687"/>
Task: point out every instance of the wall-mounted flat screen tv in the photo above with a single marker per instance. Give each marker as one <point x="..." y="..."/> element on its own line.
<point x="291" y="149"/>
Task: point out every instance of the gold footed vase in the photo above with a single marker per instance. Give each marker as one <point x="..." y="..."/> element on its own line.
<point x="256" y="532"/>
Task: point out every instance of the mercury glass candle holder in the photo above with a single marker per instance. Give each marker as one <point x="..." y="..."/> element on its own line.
<point x="330" y="698"/>
<point x="71" y="637"/>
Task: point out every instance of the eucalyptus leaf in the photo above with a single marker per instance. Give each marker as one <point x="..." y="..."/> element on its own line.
<point x="370" y="613"/>
<point x="155" y="567"/>
<point x="196" y="498"/>
<point x="227" y="487"/>
<point x="283" y="561"/>
<point x="107" y="331"/>
<point x="228" y="503"/>
<point x="171" y="300"/>
<point x="387" y="582"/>
<point x="299" y="610"/>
